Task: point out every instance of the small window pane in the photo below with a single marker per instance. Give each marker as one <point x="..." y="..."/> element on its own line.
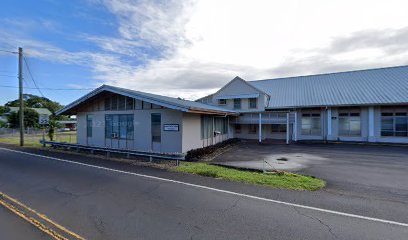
<point x="107" y="104"/>
<point x="237" y="103"/>
<point x="129" y="103"/>
<point x="252" y="102"/>
<point x="121" y="102"/>
<point x="114" y="104"/>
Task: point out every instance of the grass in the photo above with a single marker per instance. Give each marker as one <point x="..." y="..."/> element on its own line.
<point x="285" y="180"/>
<point x="33" y="140"/>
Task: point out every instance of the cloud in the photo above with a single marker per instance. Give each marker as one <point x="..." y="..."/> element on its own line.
<point x="191" y="48"/>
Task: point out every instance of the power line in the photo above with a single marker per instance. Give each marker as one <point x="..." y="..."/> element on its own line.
<point x="4" y="75"/>
<point x="7" y="51"/>
<point x="57" y="89"/>
<point x="32" y="78"/>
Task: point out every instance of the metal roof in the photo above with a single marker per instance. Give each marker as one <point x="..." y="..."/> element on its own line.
<point x="362" y="87"/>
<point x="254" y="95"/>
<point x="40" y="111"/>
<point x="169" y="102"/>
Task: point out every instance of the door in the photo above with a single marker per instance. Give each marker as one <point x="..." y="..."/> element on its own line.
<point x="89" y="128"/>
<point x="156" y="132"/>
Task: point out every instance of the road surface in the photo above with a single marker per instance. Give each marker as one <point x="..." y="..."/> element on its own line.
<point x="97" y="201"/>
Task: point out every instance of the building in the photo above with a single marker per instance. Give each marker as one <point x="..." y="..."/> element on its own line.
<point x="67" y="125"/>
<point x="358" y="106"/>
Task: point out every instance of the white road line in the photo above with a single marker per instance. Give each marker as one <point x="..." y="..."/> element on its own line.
<point x="219" y="190"/>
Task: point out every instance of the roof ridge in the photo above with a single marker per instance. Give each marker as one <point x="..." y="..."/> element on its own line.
<point x="330" y="73"/>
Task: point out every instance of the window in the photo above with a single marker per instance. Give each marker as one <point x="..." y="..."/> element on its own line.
<point x="114" y="104"/>
<point x="252" y="102"/>
<point x="220" y="125"/>
<point x="156" y="127"/>
<point x="237" y="128"/>
<point x="237" y="103"/>
<point x="278" y="128"/>
<point x="394" y="123"/>
<point x="311" y="124"/>
<point x="222" y="101"/>
<point x="349" y="123"/>
<point x="107" y="104"/>
<point x="129" y="103"/>
<point x="206" y="127"/>
<point x="119" y="126"/>
<point x="121" y="102"/>
<point x="89" y="124"/>
<point x="252" y="128"/>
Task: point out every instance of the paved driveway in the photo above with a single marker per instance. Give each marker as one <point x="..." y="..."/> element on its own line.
<point x="380" y="171"/>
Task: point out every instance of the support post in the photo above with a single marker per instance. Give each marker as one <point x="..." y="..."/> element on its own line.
<point x="287" y="128"/>
<point x="329" y="124"/>
<point x="20" y="94"/>
<point x="371" y="131"/>
<point x="295" y="124"/>
<point x="260" y="128"/>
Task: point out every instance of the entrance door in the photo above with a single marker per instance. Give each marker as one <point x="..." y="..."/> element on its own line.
<point x="156" y="132"/>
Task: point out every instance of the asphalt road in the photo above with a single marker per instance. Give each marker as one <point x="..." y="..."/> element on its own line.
<point x="102" y="204"/>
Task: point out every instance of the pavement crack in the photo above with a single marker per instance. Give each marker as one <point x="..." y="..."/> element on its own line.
<point x="317" y="219"/>
<point x="232" y="206"/>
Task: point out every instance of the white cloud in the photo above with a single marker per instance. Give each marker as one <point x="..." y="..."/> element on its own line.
<point x="208" y="42"/>
<point x="202" y="44"/>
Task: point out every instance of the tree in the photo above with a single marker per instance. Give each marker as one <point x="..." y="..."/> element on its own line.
<point x="33" y="101"/>
<point x="52" y="125"/>
<point x="4" y="109"/>
<point x="30" y="119"/>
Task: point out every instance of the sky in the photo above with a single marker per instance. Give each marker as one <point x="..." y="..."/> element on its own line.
<point x="191" y="48"/>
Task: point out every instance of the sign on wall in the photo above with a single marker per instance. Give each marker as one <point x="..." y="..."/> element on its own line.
<point x="171" y="127"/>
<point x="43" y="119"/>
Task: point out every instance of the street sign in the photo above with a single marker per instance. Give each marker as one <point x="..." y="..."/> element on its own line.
<point x="43" y="119"/>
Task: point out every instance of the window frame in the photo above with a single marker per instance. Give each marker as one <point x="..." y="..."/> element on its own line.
<point x="393" y="116"/>
<point x="252" y="103"/>
<point x="237" y="103"/>
<point x="349" y="116"/>
<point x="315" y="119"/>
<point x="222" y="102"/>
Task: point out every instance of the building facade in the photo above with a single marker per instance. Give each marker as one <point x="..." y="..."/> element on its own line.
<point x="356" y="106"/>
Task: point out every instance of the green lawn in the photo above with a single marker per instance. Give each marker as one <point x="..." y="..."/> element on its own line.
<point x="33" y="140"/>
<point x="285" y="180"/>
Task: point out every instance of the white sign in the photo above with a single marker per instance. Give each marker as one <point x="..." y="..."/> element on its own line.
<point x="171" y="127"/>
<point x="43" y="119"/>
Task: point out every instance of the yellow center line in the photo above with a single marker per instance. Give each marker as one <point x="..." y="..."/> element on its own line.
<point x="34" y="221"/>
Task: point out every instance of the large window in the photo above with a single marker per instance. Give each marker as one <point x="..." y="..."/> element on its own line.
<point x="210" y="124"/>
<point x="156" y="127"/>
<point x="278" y="128"/>
<point x="349" y="123"/>
<point x="119" y="126"/>
<point x="89" y="123"/>
<point x="252" y="128"/>
<point x="252" y="102"/>
<point x="237" y="103"/>
<point x="311" y="124"/>
<point x="394" y="123"/>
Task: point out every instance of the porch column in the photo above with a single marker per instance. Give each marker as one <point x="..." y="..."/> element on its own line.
<point x="287" y="128"/>
<point x="371" y="131"/>
<point x="329" y="123"/>
<point x="260" y="128"/>
<point x="295" y="126"/>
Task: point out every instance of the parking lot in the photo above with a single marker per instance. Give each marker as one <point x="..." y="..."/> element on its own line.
<point x="375" y="171"/>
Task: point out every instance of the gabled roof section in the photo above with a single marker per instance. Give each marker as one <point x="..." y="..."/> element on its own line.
<point x="379" y="86"/>
<point x="242" y="80"/>
<point x="40" y="111"/>
<point x="168" y="102"/>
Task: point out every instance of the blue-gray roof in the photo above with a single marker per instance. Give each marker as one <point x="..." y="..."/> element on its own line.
<point x="362" y="87"/>
<point x="169" y="102"/>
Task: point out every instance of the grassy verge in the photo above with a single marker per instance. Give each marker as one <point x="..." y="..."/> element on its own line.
<point x="33" y="140"/>
<point x="285" y="180"/>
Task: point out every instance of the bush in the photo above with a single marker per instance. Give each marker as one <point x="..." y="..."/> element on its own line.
<point x="196" y="154"/>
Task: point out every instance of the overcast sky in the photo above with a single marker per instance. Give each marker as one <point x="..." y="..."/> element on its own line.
<point x="190" y="48"/>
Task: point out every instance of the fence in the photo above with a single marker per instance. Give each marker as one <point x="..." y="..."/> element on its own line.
<point x="33" y="136"/>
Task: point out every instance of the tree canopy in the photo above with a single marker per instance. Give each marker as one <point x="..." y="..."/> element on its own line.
<point x="33" y="101"/>
<point x="30" y="118"/>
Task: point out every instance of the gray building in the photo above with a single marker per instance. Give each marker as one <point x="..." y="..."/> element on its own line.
<point x="358" y="106"/>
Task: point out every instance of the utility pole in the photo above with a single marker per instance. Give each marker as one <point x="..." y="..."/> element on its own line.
<point x="20" y="93"/>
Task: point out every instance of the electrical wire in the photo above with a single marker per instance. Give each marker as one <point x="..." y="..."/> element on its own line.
<point x="32" y="78"/>
<point x="57" y="89"/>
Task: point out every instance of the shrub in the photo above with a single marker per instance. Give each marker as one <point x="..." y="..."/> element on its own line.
<point x="196" y="154"/>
